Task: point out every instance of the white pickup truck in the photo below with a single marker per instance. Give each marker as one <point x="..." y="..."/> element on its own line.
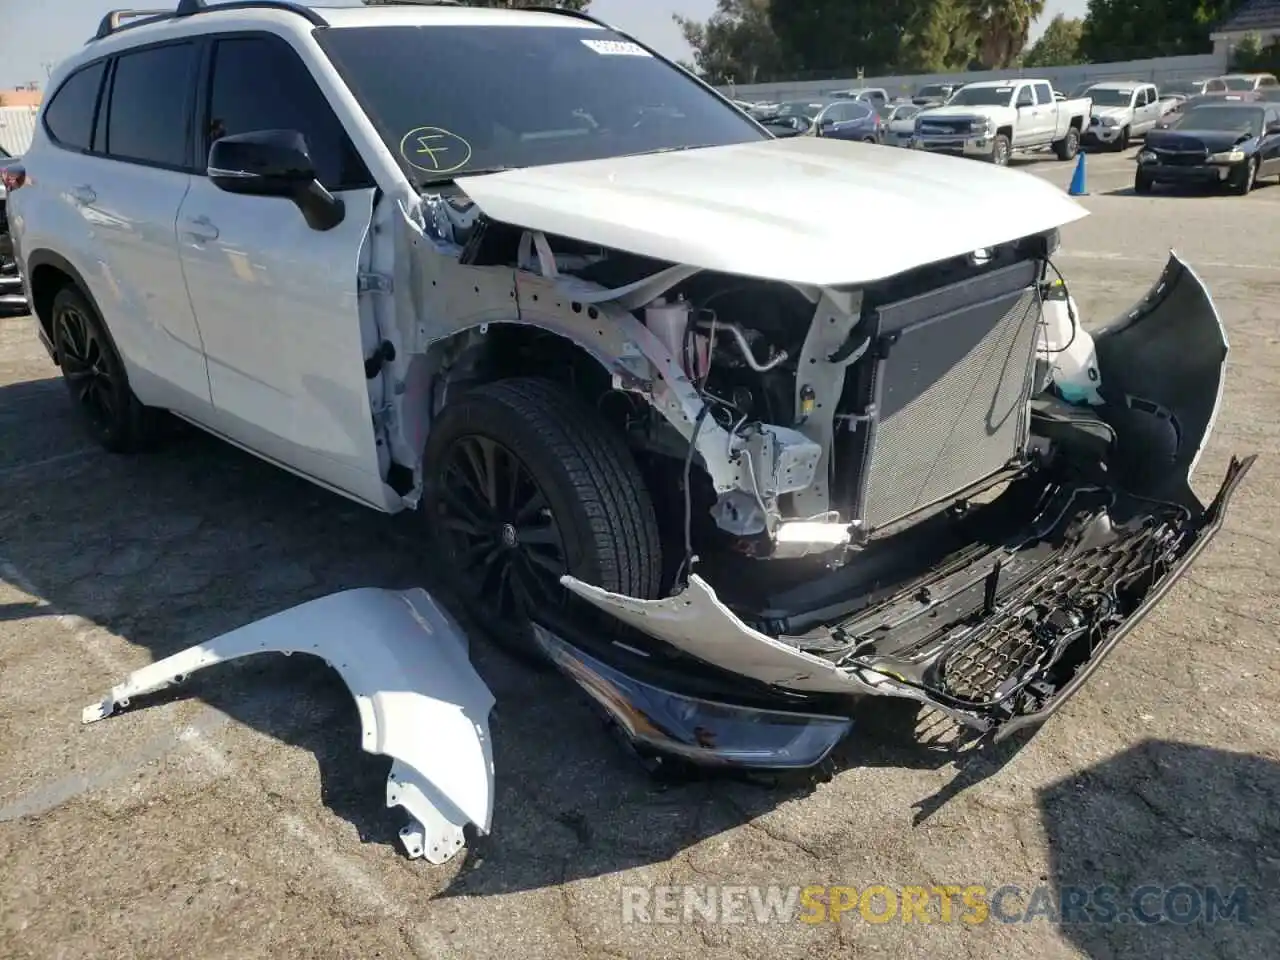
<point x="993" y="118"/>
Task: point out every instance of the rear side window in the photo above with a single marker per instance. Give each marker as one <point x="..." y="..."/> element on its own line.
<point x="1044" y="93"/>
<point x="69" y="116"/>
<point x="259" y="83"/>
<point x="150" y="92"/>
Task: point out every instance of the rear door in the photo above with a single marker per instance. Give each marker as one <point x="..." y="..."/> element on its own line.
<point x="128" y="197"/>
<point x="276" y="299"/>
<point x="1047" y="113"/>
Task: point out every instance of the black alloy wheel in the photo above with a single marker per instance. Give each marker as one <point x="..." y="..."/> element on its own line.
<point x="499" y="530"/>
<point x="83" y="355"/>
<point x="96" y="378"/>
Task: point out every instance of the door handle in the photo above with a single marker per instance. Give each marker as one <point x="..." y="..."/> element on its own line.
<point x="83" y="194"/>
<point x="202" y="228"/>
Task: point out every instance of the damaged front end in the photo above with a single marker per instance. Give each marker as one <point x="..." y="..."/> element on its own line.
<point x="892" y="485"/>
<point x="1000" y="541"/>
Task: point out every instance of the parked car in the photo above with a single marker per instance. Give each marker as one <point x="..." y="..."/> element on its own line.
<point x="849" y="120"/>
<point x="1120" y="112"/>
<point x="795" y="125"/>
<point x="661" y="370"/>
<point x="1216" y="144"/>
<point x="1242" y="82"/>
<point x="872" y="95"/>
<point x="993" y="118"/>
<point x="899" y="122"/>
<point x="935" y="94"/>
<point x="1170" y="117"/>
<point x="13" y="299"/>
<point x="1193" y="88"/>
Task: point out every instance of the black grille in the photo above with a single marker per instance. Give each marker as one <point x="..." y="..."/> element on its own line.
<point x="1181" y="158"/>
<point x="944" y="125"/>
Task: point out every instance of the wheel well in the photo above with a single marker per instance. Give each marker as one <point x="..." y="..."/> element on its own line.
<point x="508" y="350"/>
<point x="1005" y="131"/>
<point x="46" y="281"/>
<point x="1077" y="122"/>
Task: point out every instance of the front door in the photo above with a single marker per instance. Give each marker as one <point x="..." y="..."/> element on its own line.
<point x="1029" y="126"/>
<point x="277" y="300"/>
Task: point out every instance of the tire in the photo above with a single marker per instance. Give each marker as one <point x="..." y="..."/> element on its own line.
<point x="576" y="489"/>
<point x="1243" y="184"/>
<point x="1122" y="141"/>
<point x="1142" y="183"/>
<point x="1068" y="146"/>
<point x="1000" y="150"/>
<point x="96" y="378"/>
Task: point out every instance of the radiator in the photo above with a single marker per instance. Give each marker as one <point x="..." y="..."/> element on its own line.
<point x="945" y="403"/>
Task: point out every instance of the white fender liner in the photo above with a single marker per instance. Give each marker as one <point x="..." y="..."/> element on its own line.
<point x="405" y="660"/>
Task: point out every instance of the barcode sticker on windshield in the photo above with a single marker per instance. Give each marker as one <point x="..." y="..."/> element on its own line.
<point x="616" y="48"/>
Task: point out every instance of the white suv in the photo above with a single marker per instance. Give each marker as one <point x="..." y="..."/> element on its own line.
<point x="517" y="273"/>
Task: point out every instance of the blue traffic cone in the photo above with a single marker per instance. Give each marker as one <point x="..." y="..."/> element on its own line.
<point x="1077" y="188"/>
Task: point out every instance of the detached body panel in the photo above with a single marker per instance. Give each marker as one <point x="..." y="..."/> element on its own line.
<point x="420" y="701"/>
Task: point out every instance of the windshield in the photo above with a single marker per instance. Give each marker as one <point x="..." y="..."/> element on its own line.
<point x="1227" y="119"/>
<point x="982" y="97"/>
<point x="1239" y="83"/>
<point x="800" y="108"/>
<point x="932" y="90"/>
<point x="1186" y="88"/>
<point x="1109" y="97"/>
<point x="902" y="112"/>
<point x="449" y="100"/>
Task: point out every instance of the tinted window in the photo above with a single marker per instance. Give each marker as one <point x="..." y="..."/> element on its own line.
<point x="149" y="94"/>
<point x="260" y="84"/>
<point x="1044" y="94"/>
<point x="1239" y="83"/>
<point x="447" y="99"/>
<point x="1025" y="99"/>
<point x="1268" y="81"/>
<point x="69" y="116"/>
<point x="983" y="97"/>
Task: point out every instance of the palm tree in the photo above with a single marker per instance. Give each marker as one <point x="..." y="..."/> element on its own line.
<point x="1002" y="27"/>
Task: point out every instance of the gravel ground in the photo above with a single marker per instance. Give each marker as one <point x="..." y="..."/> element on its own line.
<point x="238" y="818"/>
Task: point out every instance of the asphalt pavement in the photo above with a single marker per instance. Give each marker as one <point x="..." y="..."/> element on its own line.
<point x="238" y="817"/>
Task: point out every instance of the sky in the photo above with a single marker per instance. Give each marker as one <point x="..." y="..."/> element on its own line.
<point x="36" y="36"/>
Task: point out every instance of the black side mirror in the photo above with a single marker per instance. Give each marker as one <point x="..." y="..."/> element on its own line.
<point x="1273" y="129"/>
<point x="274" y="163"/>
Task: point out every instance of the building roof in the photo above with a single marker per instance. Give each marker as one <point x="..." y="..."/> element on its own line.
<point x="1262" y="16"/>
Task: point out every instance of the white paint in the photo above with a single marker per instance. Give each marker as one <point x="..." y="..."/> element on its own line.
<point x="795" y="210"/>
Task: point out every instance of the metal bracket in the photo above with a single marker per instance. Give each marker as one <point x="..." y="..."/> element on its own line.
<point x="374" y="283"/>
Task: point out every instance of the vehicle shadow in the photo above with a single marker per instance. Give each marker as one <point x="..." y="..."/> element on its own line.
<point x="177" y="546"/>
<point x="1185" y="190"/>
<point x="1167" y="817"/>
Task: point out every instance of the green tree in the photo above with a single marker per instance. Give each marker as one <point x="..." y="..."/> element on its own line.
<point x="1137" y="29"/>
<point x="1002" y="27"/>
<point x="737" y="45"/>
<point x="939" y="37"/>
<point x="836" y="38"/>
<point x="1058" y="46"/>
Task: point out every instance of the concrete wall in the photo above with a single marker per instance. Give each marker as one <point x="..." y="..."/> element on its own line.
<point x="1064" y="78"/>
<point x="17" y="127"/>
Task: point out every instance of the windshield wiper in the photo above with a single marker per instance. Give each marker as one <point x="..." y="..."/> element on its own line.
<point x="453" y="177"/>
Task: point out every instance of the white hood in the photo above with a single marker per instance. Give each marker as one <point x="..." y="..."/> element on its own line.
<point x="976" y="110"/>
<point x="1116" y="112"/>
<point x="805" y="210"/>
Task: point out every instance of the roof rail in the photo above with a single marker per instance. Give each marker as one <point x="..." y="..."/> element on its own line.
<point x="113" y="22"/>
